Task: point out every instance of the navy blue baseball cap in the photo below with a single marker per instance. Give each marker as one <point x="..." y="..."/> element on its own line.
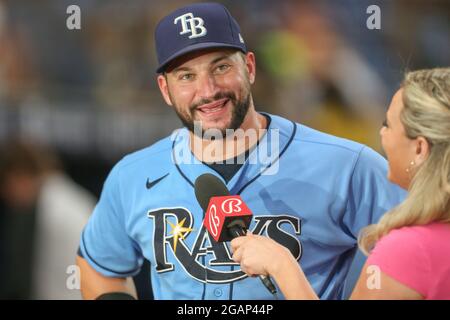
<point x="195" y="27"/>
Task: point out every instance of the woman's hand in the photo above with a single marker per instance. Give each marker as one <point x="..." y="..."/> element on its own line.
<point x="263" y="256"/>
<point x="259" y="255"/>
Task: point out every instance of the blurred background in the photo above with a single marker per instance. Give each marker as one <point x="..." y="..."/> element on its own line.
<point x="73" y="102"/>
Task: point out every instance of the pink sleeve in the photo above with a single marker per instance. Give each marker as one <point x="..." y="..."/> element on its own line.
<point x="401" y="256"/>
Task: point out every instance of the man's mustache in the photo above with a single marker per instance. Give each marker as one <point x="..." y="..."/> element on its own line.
<point x="217" y="96"/>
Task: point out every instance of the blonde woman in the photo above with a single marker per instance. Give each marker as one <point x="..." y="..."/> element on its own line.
<point x="409" y="249"/>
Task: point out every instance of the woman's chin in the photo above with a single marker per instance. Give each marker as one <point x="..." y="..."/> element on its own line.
<point x="400" y="182"/>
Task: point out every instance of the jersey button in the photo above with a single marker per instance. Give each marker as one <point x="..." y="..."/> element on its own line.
<point x="218" y="292"/>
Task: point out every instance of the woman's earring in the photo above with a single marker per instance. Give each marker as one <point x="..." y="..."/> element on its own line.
<point x="411" y="164"/>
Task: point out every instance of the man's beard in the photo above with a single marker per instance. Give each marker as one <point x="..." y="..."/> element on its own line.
<point x="238" y="114"/>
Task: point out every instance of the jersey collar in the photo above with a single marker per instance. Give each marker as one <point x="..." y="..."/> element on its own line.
<point x="263" y="160"/>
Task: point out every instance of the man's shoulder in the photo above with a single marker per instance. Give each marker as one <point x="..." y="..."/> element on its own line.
<point x="309" y="135"/>
<point x="157" y="154"/>
<point x="323" y="146"/>
<point x="332" y="147"/>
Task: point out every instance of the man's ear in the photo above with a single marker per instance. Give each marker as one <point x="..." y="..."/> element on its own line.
<point x="250" y="62"/>
<point x="163" y="87"/>
<point x="422" y="150"/>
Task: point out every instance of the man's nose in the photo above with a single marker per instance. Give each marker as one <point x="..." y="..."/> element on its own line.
<point x="206" y="86"/>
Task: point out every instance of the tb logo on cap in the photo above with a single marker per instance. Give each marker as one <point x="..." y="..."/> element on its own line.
<point x="195" y="27"/>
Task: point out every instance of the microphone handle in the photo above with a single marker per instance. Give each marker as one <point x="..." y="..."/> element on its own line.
<point x="238" y="231"/>
<point x="267" y="282"/>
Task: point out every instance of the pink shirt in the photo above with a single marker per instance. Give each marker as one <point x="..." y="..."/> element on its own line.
<point x="418" y="257"/>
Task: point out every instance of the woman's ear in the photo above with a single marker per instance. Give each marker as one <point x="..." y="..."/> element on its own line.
<point x="422" y="150"/>
<point x="164" y="88"/>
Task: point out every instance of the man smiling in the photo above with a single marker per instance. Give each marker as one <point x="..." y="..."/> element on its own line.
<point x="323" y="191"/>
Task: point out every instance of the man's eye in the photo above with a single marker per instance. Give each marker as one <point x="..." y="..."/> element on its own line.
<point x="186" y="76"/>
<point x="223" y="67"/>
<point x="385" y="123"/>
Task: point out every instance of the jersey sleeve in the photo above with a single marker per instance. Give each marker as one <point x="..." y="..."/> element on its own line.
<point x="370" y="192"/>
<point x="400" y="255"/>
<point x="105" y="243"/>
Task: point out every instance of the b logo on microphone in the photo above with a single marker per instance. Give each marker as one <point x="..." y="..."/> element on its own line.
<point x="214" y="221"/>
<point x="232" y="205"/>
<point x="221" y="212"/>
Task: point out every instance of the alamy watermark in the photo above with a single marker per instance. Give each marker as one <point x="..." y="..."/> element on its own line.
<point x="373" y="281"/>
<point x="73" y="281"/>
<point x="264" y="145"/>
<point x="73" y="21"/>
<point x="373" y="22"/>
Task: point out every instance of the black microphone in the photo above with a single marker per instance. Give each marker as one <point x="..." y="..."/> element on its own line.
<point x="211" y="191"/>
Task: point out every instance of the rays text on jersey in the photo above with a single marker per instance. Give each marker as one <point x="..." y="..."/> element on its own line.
<point x="195" y="245"/>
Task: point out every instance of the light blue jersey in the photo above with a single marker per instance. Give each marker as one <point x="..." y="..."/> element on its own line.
<point x="324" y="191"/>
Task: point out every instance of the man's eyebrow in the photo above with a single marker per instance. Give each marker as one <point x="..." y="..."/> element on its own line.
<point x="179" y="69"/>
<point x="222" y="57"/>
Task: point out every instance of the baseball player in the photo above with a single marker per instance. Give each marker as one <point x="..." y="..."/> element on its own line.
<point x="309" y="191"/>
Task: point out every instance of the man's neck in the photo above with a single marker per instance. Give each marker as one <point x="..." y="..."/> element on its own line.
<point x="248" y="135"/>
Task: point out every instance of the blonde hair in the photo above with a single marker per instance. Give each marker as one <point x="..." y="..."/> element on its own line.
<point x="426" y="113"/>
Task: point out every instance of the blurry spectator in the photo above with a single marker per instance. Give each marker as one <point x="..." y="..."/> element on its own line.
<point x="321" y="79"/>
<point x="16" y="69"/>
<point x="43" y="213"/>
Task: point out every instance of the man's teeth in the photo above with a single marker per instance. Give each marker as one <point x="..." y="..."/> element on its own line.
<point x="209" y="110"/>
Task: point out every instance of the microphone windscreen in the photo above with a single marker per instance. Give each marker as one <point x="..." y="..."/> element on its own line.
<point x="207" y="186"/>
